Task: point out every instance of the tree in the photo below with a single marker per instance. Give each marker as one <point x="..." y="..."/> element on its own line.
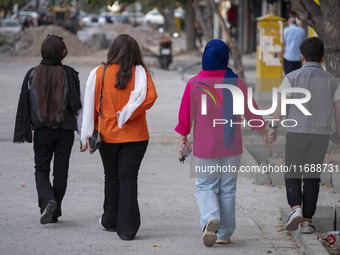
<point x="206" y="25"/>
<point x="237" y="57"/>
<point x="324" y="19"/>
<point x="7" y="5"/>
<point x="190" y="26"/>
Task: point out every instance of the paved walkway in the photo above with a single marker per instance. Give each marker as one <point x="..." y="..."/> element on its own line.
<point x="170" y="216"/>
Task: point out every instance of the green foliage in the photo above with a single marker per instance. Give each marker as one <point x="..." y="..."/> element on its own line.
<point x="127" y="2"/>
<point x="63" y="3"/>
<point x="8" y="4"/>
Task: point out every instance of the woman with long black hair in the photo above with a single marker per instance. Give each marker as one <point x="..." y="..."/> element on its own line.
<point x="50" y="104"/>
<point x="116" y="97"/>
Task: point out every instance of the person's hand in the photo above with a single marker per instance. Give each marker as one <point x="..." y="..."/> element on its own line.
<point x="335" y="138"/>
<point x="118" y="114"/>
<point x="264" y="136"/>
<point x="184" y="140"/>
<point x="83" y="148"/>
<point x="272" y="135"/>
<point x="88" y="147"/>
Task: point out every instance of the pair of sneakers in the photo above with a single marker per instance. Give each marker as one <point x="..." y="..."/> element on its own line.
<point x="295" y="219"/>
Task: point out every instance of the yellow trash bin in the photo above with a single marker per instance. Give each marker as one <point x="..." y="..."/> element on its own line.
<point x="178" y="25"/>
<point x="269" y="65"/>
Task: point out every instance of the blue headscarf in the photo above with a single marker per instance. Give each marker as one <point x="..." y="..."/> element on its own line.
<point x="216" y="57"/>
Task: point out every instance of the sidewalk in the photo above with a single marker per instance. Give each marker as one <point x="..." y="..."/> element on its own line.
<point x="328" y="199"/>
<point x="169" y="213"/>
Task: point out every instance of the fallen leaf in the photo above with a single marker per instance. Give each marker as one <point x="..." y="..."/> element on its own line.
<point x="279" y="228"/>
<point x="266" y="237"/>
<point x="327" y="185"/>
<point x="156" y="245"/>
<point x="23" y="186"/>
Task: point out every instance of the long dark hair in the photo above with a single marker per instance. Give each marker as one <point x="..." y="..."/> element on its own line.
<point x="125" y="51"/>
<point x="49" y="80"/>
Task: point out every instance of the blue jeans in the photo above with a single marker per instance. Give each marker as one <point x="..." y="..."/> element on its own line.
<point x="290" y="66"/>
<point x="215" y="193"/>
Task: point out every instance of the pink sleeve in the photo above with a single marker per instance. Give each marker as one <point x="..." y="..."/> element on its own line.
<point x="184" y="119"/>
<point x="247" y="113"/>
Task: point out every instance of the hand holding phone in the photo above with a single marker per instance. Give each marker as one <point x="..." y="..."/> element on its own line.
<point x="185" y="150"/>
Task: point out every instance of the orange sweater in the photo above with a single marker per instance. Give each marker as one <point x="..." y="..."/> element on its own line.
<point x="114" y="100"/>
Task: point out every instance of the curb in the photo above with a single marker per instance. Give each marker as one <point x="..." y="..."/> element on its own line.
<point x="307" y="242"/>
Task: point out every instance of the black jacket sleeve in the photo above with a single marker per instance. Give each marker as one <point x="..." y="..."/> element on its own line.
<point x="22" y="129"/>
<point x="73" y="79"/>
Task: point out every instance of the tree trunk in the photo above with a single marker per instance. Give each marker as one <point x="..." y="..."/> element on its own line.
<point x="324" y="19"/>
<point x="190" y="26"/>
<point x="237" y="57"/>
<point x="210" y="22"/>
<point x="171" y="27"/>
<point x="199" y="17"/>
<point x="331" y="37"/>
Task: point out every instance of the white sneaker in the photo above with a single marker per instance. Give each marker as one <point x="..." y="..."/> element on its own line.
<point x="294" y="219"/>
<point x="100" y="223"/>
<point x="307" y="227"/>
<point x="107" y="229"/>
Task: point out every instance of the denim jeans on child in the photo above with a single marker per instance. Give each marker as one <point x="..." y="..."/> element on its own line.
<point x="215" y="192"/>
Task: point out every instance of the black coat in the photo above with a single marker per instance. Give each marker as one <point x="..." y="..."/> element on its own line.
<point x="23" y="129"/>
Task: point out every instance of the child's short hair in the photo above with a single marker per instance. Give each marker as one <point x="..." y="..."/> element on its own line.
<point x="312" y="49"/>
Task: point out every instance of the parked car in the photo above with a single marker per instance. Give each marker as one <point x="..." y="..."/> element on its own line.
<point x="91" y="20"/>
<point x="106" y="17"/>
<point x="135" y="18"/>
<point x="10" y="26"/>
<point x="154" y="17"/>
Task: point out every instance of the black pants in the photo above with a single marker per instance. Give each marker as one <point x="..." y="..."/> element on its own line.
<point x="49" y="143"/>
<point x="304" y="150"/>
<point x="290" y="66"/>
<point x="121" y="163"/>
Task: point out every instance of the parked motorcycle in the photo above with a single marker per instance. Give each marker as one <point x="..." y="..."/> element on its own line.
<point x="165" y="53"/>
